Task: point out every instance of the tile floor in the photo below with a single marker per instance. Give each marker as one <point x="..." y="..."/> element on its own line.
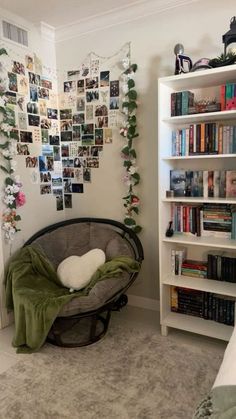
<point x="136" y="317"/>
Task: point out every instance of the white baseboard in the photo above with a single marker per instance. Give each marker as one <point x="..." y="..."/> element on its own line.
<point x="142" y="302"/>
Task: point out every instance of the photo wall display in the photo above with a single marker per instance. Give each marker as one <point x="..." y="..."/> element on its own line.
<point x="62" y="136"/>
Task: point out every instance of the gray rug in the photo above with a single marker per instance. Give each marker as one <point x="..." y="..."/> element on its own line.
<point x="130" y="374"/>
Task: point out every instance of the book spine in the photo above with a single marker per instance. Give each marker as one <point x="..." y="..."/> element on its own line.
<point x="173" y="104"/>
<point x="222" y="98"/>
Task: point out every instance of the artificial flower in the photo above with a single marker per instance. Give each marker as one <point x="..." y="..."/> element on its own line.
<point x="9" y="199"/>
<point x="20" y="199"/>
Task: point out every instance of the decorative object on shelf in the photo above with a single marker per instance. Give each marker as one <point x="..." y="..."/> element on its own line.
<point x="205" y="105"/>
<point x="170" y="231"/>
<point x="202" y="64"/>
<point x="13" y="196"/>
<point x="223" y="59"/>
<point x="230" y="37"/>
<point x="183" y="63"/>
<point x="128" y="132"/>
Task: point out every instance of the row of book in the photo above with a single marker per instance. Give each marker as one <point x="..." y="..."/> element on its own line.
<point x="181" y="102"/>
<point x="204" y="138"/>
<point x="203" y="183"/>
<point x="202" y="304"/>
<point x="187" y="267"/>
<point x="228" y="96"/>
<point x="207" y="220"/>
<point x="221" y="267"/>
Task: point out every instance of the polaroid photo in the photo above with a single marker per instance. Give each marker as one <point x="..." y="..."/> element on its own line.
<point x="68" y="200"/>
<point x="21" y="103"/>
<point x="98" y="136"/>
<point x="96" y="151"/>
<point x="114" y="103"/>
<point x="104" y="97"/>
<point x="34" y="93"/>
<point x="80" y="104"/>
<point x="56" y="181"/>
<point x="47" y="150"/>
<point x="56" y="153"/>
<point x="114" y="88"/>
<point x="92" y="96"/>
<point x="22" y="121"/>
<point x="52" y="113"/>
<point x="45" y="123"/>
<point x="65" y="113"/>
<point x="93" y="162"/>
<point x="49" y="163"/>
<point x="59" y="203"/>
<point x="34" y="78"/>
<point x="43" y="93"/>
<point x="91" y="83"/>
<point x="45" y="177"/>
<point x="104" y="78"/>
<point x="57" y="191"/>
<point x="23" y="85"/>
<point x="29" y="62"/>
<point x="44" y="136"/>
<point x="12" y="80"/>
<point x="68" y="172"/>
<point x="45" y="189"/>
<point x="77" y="188"/>
<point x="18" y="68"/>
<point x="46" y="83"/>
<point x="31" y="162"/>
<point x="80" y="87"/>
<point x="87" y="175"/>
<point x="69" y="86"/>
<point x="101" y="121"/>
<point x="101" y="110"/>
<point x="78" y="175"/>
<point x="10" y="98"/>
<point x="33" y="120"/>
<point x="67" y="185"/>
<point x="32" y="107"/>
<point x="23" y="149"/>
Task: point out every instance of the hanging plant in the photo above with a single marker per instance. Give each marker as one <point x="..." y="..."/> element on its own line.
<point x="128" y="153"/>
<point x="13" y="196"/>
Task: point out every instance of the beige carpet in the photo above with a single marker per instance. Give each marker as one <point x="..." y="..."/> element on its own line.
<point x="130" y="374"/>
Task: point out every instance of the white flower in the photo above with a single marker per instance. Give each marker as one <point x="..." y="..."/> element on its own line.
<point x="9" y="189"/>
<point x="125" y="88"/>
<point x="2" y="101"/>
<point x="6" y="128"/>
<point x="132" y="170"/>
<point x="130" y="75"/>
<point x="125" y="63"/>
<point x="6" y="153"/>
<point x="9" y="199"/>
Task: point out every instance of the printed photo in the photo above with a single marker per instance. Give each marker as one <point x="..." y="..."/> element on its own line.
<point x="67" y="185"/>
<point x="54" y="139"/>
<point x="42" y="107"/>
<point x="114" y="88"/>
<point x="34" y="93"/>
<point x="49" y="163"/>
<point x="57" y="191"/>
<point x="23" y="149"/>
<point x="78" y="175"/>
<point x="101" y="121"/>
<point x="34" y="120"/>
<point x="10" y="98"/>
<point x="29" y="62"/>
<point x="69" y="86"/>
<point x="64" y="150"/>
<point x="45" y="189"/>
<point x="93" y="162"/>
<point x="22" y="121"/>
<point x="77" y="188"/>
<point x="26" y="137"/>
<point x="68" y="200"/>
<point x="23" y="85"/>
<point x="104" y="78"/>
<point x="31" y="161"/>
<point x="95" y="67"/>
<point x="47" y="150"/>
<point x="66" y="114"/>
<point x="68" y="172"/>
<point x="18" y="68"/>
<point x="87" y="129"/>
<point x="36" y="135"/>
<point x="12" y="82"/>
<point x="46" y="123"/>
<point x="15" y="134"/>
<point x="59" y="201"/>
<point x="45" y="136"/>
<point x="56" y="181"/>
<point x="114" y="103"/>
<point x="98" y="136"/>
<point x="83" y="151"/>
<point x="66" y="136"/>
<point x="11" y="116"/>
<point x="92" y="95"/>
<point x="101" y="110"/>
<point x="78" y="118"/>
<point x="32" y="107"/>
<point x="104" y="96"/>
<point x="66" y="125"/>
<point x="34" y="78"/>
<point x="68" y="162"/>
<point x="46" y="83"/>
<point x="96" y="151"/>
<point x="43" y="93"/>
<point x="21" y="103"/>
<point x="73" y="149"/>
<point x="73" y="74"/>
<point x="88" y="140"/>
<point x="80" y="87"/>
<point x="56" y="153"/>
<point x="45" y="177"/>
<point x="85" y="70"/>
<point x="80" y="105"/>
<point x="87" y="175"/>
<point x="52" y="113"/>
<point x="91" y="83"/>
<point x="89" y="112"/>
<point x="108" y="135"/>
<point x="42" y="164"/>
<point x="76" y="133"/>
<point x="37" y="65"/>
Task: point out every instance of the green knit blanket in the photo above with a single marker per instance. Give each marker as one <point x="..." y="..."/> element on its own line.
<point x="220" y="403"/>
<point x="34" y="292"/>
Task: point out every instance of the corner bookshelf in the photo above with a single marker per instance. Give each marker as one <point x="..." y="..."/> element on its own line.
<point x="202" y="83"/>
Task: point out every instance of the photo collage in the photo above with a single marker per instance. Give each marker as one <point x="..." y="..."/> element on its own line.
<point x="62" y="136"/>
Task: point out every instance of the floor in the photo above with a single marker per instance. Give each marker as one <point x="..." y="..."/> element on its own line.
<point x="147" y="319"/>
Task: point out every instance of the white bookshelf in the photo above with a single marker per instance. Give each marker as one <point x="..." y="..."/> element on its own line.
<point x="197" y="247"/>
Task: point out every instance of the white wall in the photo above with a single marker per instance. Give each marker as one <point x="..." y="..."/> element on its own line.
<point x="199" y="26"/>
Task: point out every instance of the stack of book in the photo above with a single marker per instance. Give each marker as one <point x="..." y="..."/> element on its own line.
<point x="181" y="102"/>
<point x="228" y="96"/>
<point x="177" y="258"/>
<point x="195" y="268"/>
<point x="204" y="138"/>
<point x="221" y="267"/>
<point x="203" y="183"/>
<point x="202" y="304"/>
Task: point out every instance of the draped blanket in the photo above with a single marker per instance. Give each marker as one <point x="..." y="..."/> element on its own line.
<point x="34" y="292"/>
<point x="219" y="404"/>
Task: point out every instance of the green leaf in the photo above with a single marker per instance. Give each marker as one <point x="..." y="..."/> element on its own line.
<point x="5" y="145"/>
<point x="125" y="104"/>
<point x="4" y="169"/>
<point x="7" y="158"/>
<point x="129" y="221"/>
<point x="131" y="131"/>
<point x="133" y="153"/>
<point x="132" y="120"/>
<point x="126" y="197"/>
<point x="137" y="229"/>
<point x="135" y="209"/>
<point x="132" y="94"/>
<point x="132" y="105"/>
<point x="3" y="51"/>
<point x="8" y="181"/>
<point x="125" y="150"/>
<point x="14" y="135"/>
<point x="17" y="217"/>
<point x="134" y="67"/>
<point x="131" y="83"/>
<point x="127" y="163"/>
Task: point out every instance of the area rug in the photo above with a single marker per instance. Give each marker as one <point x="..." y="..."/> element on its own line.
<point x="130" y="374"/>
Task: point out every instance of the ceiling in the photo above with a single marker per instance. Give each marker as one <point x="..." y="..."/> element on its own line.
<point x="58" y="13"/>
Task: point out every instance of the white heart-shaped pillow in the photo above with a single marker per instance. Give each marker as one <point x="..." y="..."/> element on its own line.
<point x="75" y="272"/>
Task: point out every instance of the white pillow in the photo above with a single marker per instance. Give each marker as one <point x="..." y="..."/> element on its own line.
<point x="75" y="272"/>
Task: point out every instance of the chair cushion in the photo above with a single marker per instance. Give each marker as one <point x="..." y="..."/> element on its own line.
<point x="75" y="272"/>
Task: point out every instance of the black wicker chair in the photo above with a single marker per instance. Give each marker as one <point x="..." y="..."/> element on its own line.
<point x="85" y="320"/>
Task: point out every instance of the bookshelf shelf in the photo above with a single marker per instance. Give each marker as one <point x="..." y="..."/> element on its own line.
<point x="203" y="84"/>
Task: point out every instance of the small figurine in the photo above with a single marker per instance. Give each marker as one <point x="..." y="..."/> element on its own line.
<point x="169" y="231"/>
<point x="183" y="63"/>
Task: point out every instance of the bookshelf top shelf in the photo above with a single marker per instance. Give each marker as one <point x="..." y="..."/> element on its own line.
<point x="201" y="79"/>
<point x="208" y="116"/>
<point x="201" y="199"/>
<point x="200" y="156"/>
<point x="190" y="239"/>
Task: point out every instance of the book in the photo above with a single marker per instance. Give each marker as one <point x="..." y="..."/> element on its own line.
<point x="178" y="182"/>
<point x="230" y="184"/>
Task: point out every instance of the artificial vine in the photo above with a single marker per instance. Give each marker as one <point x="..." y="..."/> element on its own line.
<point x="129" y="133"/>
<point x="13" y="196"/>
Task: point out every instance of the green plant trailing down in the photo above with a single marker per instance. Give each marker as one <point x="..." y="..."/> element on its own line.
<point x="223" y="59"/>
<point x="129" y="133"/>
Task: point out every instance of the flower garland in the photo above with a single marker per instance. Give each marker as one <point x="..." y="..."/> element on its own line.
<point x="128" y="153"/>
<point x="13" y="196"/>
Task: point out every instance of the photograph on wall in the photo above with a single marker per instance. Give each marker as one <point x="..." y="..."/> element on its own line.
<point x="56" y="181"/>
<point x="101" y="121"/>
<point x="94" y="67"/>
<point x="68" y="172"/>
<point x="47" y="150"/>
<point x="80" y="104"/>
<point x="49" y="163"/>
<point x="57" y="191"/>
<point x="73" y="149"/>
<point x="34" y="120"/>
<point x="98" y="136"/>
<point x="59" y="201"/>
<point x="38" y="68"/>
<point x="54" y="139"/>
<point x="34" y="78"/>
<point x="114" y="103"/>
<point x="52" y="113"/>
<point x="67" y="185"/>
<point x="31" y="162"/>
<point x="46" y="83"/>
<point x="104" y="96"/>
<point x="22" y="121"/>
<point x="78" y="118"/>
<point x="104" y="78"/>
<point x="43" y="93"/>
<point x="114" y="88"/>
<point x="26" y="137"/>
<point x="56" y="153"/>
<point x="85" y="70"/>
<point x="45" y="123"/>
<point x="18" y="68"/>
<point x="101" y="110"/>
<point x="64" y="151"/>
<point x="66" y="136"/>
<point x="44" y="136"/>
<point x="83" y="151"/>
<point x="68" y="200"/>
<point x="42" y="107"/>
<point x="96" y="151"/>
<point x="29" y="62"/>
<point x="87" y="175"/>
<point x="21" y="103"/>
<point x="45" y="177"/>
<point x="23" y="149"/>
<point x="12" y="77"/>
<point x="76" y="133"/>
<point x="53" y="100"/>
<point x="65" y="113"/>
<point x="66" y="125"/>
<point x="36" y="135"/>
<point x="93" y="162"/>
<point x="73" y="74"/>
<point x="34" y="93"/>
<point x="70" y="86"/>
<point x="78" y="175"/>
<point x="80" y="87"/>
<point x="42" y="164"/>
<point x="23" y="86"/>
<point x="91" y="83"/>
<point x="32" y="107"/>
<point x="77" y="188"/>
<point x="10" y="98"/>
<point x="114" y="119"/>
<point x="89" y="113"/>
<point x="107" y="135"/>
<point x="45" y="189"/>
<point x="91" y="96"/>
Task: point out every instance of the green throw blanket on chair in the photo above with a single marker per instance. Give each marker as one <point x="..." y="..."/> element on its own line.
<point x="34" y="292"/>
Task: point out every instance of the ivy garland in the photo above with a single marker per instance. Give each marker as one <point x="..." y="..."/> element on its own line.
<point x="128" y="153"/>
<point x="13" y="196"/>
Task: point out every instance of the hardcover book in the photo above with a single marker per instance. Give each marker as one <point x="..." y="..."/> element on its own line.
<point x="178" y="182"/>
<point x="230" y="184"/>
